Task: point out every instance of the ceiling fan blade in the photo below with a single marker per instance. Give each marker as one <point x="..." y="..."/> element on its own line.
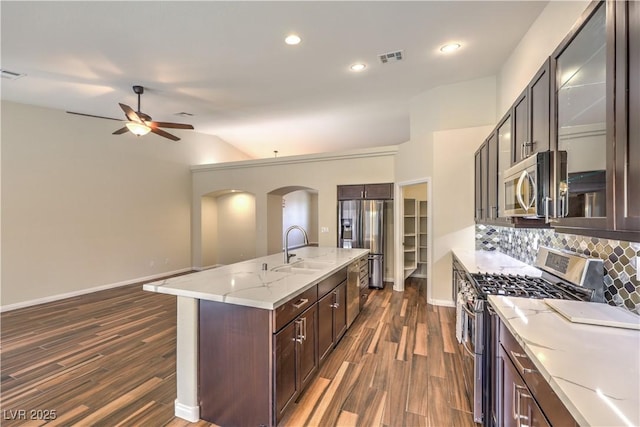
<point x="121" y="131"/>
<point x="165" y="134"/>
<point x="91" y="115"/>
<point x="169" y="125"/>
<point x="131" y="115"/>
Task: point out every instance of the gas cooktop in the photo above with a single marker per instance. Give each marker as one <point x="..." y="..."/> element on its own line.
<point x="527" y="287"/>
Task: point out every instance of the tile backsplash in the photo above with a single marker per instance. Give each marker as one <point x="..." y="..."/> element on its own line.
<point x="622" y="283"/>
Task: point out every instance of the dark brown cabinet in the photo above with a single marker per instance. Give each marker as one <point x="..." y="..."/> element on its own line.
<point x="296" y="357"/>
<point x="627" y="124"/>
<point x="521" y="394"/>
<point x="596" y="111"/>
<point x="481" y="183"/>
<point x="518" y="406"/>
<point x="520" y="111"/>
<point x="531" y="116"/>
<point x="332" y="319"/>
<point x="366" y="191"/>
<point x="487" y="203"/>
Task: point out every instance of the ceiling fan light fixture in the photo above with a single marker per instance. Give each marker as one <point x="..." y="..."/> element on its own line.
<point x="138" y="129"/>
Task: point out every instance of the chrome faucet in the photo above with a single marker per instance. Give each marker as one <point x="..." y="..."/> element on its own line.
<point x="287" y="255"/>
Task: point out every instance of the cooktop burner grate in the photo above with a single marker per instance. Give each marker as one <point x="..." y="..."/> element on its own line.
<point x="526" y="287"/>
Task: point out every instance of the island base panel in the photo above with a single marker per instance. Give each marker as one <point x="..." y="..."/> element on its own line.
<point x="234" y="365"/>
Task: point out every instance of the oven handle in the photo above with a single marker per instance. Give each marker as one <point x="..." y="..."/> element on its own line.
<point x="469" y="312"/>
<point x="471" y="353"/>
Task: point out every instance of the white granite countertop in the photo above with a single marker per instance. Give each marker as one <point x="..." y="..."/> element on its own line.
<point x="594" y="370"/>
<point x="245" y="283"/>
<point x="494" y="262"/>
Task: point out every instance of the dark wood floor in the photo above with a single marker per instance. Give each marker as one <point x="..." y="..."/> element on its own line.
<point x="109" y="359"/>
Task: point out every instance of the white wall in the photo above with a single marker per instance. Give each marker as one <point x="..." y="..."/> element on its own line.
<point x="83" y="209"/>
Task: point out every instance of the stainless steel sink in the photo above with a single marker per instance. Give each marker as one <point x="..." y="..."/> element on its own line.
<point x="303" y="267"/>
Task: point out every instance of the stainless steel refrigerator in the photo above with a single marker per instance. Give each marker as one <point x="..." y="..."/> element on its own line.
<point x="361" y="225"/>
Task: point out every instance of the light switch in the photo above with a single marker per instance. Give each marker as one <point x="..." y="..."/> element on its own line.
<point x="324" y="229"/>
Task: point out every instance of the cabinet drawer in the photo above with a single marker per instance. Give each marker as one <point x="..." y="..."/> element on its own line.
<point x="288" y="311"/>
<point x="331" y="282"/>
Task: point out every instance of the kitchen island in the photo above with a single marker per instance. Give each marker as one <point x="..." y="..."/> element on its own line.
<point x="228" y="353"/>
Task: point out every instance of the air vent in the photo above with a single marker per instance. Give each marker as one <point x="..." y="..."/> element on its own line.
<point x="391" y="56"/>
<point x="11" y="75"/>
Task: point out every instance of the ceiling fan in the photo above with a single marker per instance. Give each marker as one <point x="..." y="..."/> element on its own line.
<point x="139" y="123"/>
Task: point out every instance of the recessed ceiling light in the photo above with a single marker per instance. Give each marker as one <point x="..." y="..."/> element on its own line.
<point x="358" y="67"/>
<point x="450" y="47"/>
<point x="292" y="39"/>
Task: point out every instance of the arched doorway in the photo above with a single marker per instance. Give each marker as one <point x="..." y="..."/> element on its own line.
<point x="293" y="205"/>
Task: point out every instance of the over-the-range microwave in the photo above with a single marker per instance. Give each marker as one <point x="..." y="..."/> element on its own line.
<point x="528" y="185"/>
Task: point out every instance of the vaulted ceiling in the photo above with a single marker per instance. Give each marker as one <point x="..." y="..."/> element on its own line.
<point x="227" y="64"/>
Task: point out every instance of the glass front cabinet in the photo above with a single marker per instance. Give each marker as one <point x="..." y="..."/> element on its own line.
<point x="594" y="119"/>
<point x="583" y="104"/>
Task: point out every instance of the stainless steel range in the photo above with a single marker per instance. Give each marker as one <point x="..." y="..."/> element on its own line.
<point x="564" y="275"/>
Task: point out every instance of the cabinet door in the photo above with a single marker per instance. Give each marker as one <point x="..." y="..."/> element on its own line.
<point x="340" y="311"/>
<point x="350" y="192"/>
<point x="520" y="116"/>
<point x="478" y="187"/>
<point x="581" y="128"/>
<point x="512" y="390"/>
<point x="285" y="367"/>
<point x="307" y="324"/>
<point x="378" y="191"/>
<point x="627" y="168"/>
<point x="504" y="158"/>
<point x="492" y="177"/>
<point x="325" y="325"/>
<point x="539" y="118"/>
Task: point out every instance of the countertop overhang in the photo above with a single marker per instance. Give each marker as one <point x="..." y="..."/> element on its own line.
<point x="246" y="283"/>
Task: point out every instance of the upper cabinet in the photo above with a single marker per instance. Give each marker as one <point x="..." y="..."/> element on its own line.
<point x="580" y="127"/>
<point x="627" y="119"/>
<point x="584" y="104"/>
<point x="531" y="117"/>
<point x="366" y="191"/>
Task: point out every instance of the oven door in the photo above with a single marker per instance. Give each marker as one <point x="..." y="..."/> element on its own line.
<point x="473" y="336"/>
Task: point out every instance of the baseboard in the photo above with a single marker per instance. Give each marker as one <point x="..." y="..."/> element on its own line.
<point x="208" y="267"/>
<point x="58" y="297"/>
<point x="189" y="413"/>
<point x="441" y="302"/>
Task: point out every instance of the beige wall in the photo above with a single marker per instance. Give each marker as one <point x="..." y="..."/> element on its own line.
<point x="83" y="209"/>
<point x="456" y="108"/>
<point x="209" y="231"/>
<point x="539" y="42"/>
<point x="236" y="227"/>
<point x="298" y="209"/>
<point x="323" y="172"/>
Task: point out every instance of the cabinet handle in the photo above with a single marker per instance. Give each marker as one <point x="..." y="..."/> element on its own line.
<point x="517" y="395"/>
<point x="518" y="364"/>
<point x="296" y="332"/>
<point x="300" y="302"/>
<point x="301" y="330"/>
<point x="547" y="200"/>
